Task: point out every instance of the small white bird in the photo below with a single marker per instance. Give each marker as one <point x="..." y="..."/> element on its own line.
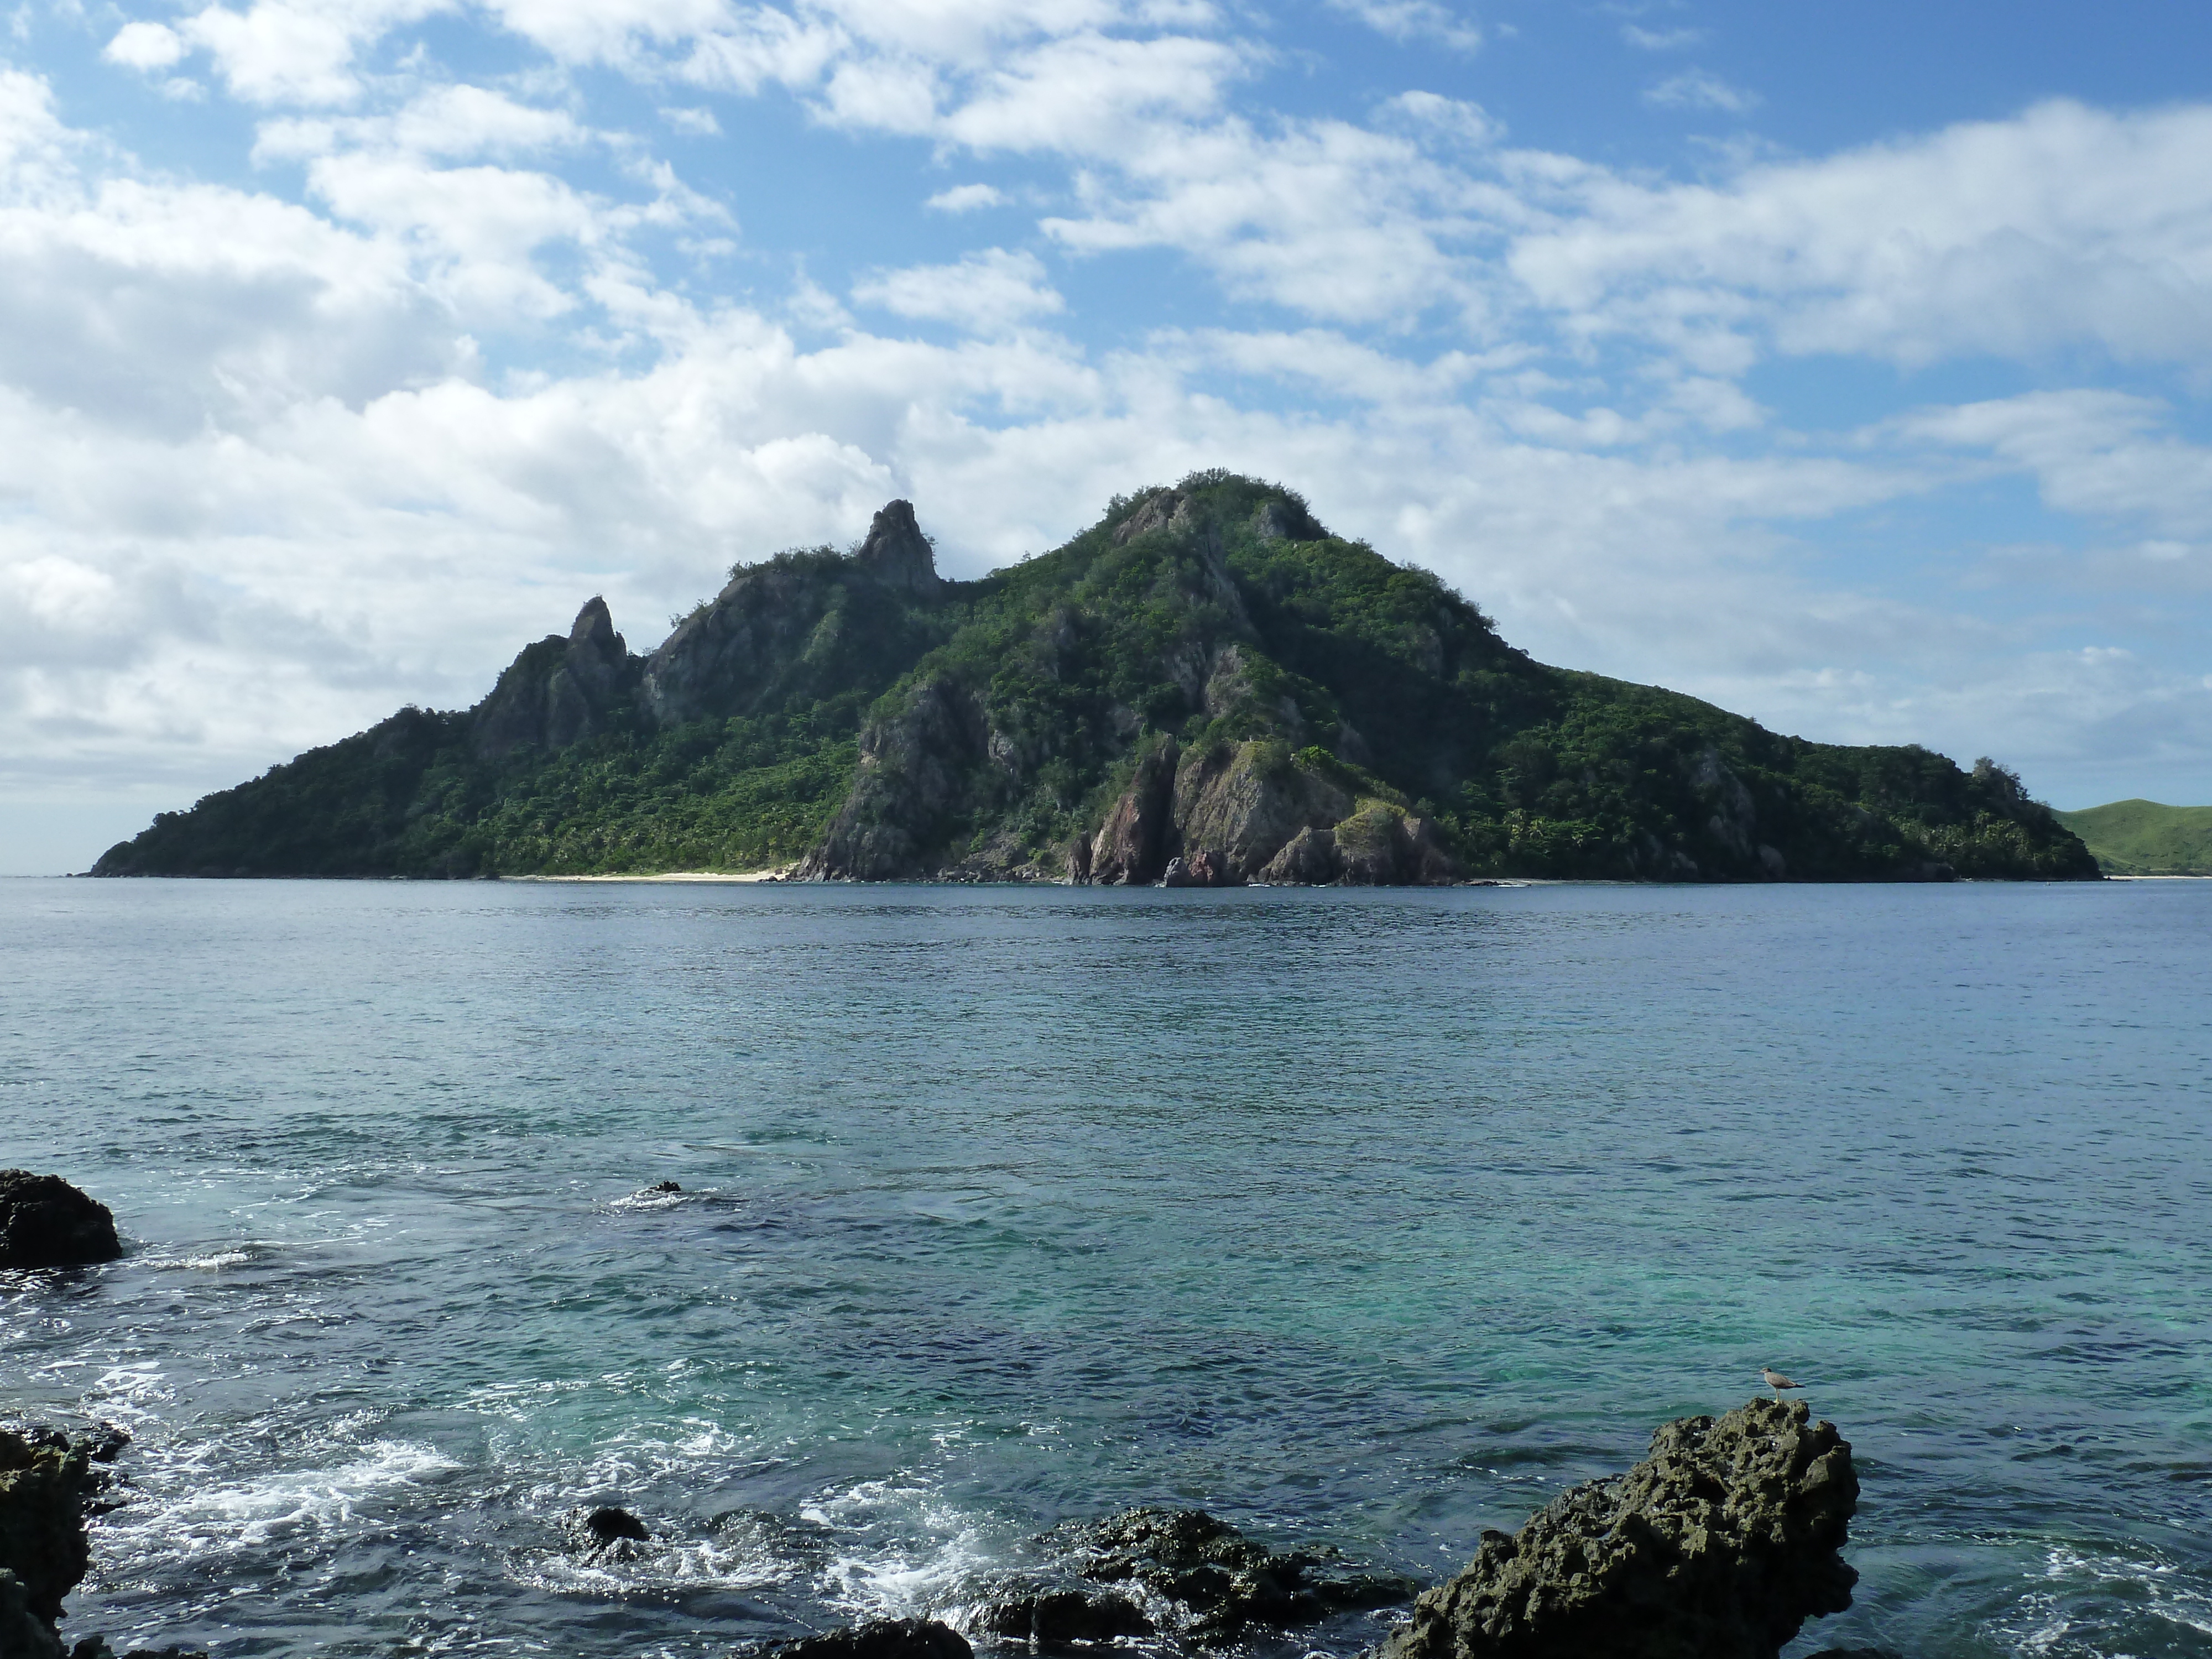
<point x="1776" y="1381"/>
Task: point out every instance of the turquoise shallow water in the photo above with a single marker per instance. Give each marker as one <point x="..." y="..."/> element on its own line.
<point x="1371" y="1218"/>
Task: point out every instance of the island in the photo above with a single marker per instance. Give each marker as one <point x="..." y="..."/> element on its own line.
<point x="1206" y="688"/>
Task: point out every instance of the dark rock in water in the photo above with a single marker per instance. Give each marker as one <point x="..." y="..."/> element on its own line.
<point x="609" y="1524"/>
<point x="1058" y="1616"/>
<point x="23" y="1634"/>
<point x="665" y="1187"/>
<point x="608" y="1533"/>
<point x="1718" y="1545"/>
<point x="46" y="1223"/>
<point x="45" y="1483"/>
<point x="47" y="1486"/>
<point x="881" y="1638"/>
<point x="1227" y="1581"/>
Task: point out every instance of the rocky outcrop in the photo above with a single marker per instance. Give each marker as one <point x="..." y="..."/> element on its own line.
<point x="1382" y="845"/>
<point x="1131" y="847"/>
<point x="1241" y="804"/>
<point x="46" y="1223"/>
<point x="557" y="690"/>
<point x="47" y="1482"/>
<point x="1222" y="1581"/>
<point x="802" y="625"/>
<point x="1719" y="1545"/>
<point x="1054" y="1617"/>
<point x="917" y="771"/>
<point x="880" y="1638"/>
<point x="896" y="554"/>
<point x="1307" y="860"/>
<point x="1228" y="814"/>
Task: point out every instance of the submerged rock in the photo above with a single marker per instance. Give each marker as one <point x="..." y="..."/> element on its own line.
<point x="1717" y="1545"/>
<point x="881" y="1638"/>
<point x="46" y="1223"/>
<point x="1225" y="1581"/>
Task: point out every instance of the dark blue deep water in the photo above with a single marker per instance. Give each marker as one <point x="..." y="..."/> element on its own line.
<point x="1371" y="1218"/>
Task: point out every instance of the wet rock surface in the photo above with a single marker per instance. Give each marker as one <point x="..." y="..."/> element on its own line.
<point x="1719" y="1545"/>
<point x="880" y="1638"/>
<point x="46" y="1223"/>
<point x="608" y="1533"/>
<point x="1061" y="1616"/>
<point x="1221" y="1581"/>
<point x="49" y="1482"/>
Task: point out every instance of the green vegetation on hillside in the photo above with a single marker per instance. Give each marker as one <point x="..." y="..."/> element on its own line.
<point x="2142" y="838"/>
<point x="825" y="703"/>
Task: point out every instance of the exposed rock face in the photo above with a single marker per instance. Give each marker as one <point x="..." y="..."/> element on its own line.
<point x="1308" y="860"/>
<point x="1243" y="806"/>
<point x="1201" y="869"/>
<point x="914" y="771"/>
<point x="1382" y="847"/>
<point x="1718" y="1545"/>
<point x="1131" y="847"/>
<point x="897" y="554"/>
<point x="881" y="1638"/>
<point x="1224" y="1580"/>
<point x="47" y="1481"/>
<point x="1284" y="520"/>
<point x="1227" y="814"/>
<point x="803" y="624"/>
<point x="557" y="690"/>
<point x="46" y="1223"/>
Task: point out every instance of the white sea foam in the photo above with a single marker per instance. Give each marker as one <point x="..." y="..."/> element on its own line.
<point x="2042" y="1623"/>
<point x="128" y="1394"/>
<point x="914" y="1548"/>
<point x="649" y="1200"/>
<point x="201" y="1513"/>
<point x="219" y="1259"/>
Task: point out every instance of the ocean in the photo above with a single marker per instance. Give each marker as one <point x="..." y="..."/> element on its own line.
<point x="1369" y="1219"/>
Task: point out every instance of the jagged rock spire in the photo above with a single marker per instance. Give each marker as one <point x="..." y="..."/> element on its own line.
<point x="896" y="553"/>
<point x="595" y="627"/>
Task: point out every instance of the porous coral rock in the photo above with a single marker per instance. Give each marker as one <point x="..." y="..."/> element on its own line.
<point x="1717" y="1545"/>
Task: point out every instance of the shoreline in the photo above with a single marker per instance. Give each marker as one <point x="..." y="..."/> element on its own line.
<point x="782" y="872"/>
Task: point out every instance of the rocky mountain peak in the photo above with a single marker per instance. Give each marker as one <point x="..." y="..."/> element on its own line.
<point x="594" y="630"/>
<point x="896" y="553"/>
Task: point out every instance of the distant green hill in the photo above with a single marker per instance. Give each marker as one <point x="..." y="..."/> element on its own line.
<point x="1205" y="687"/>
<point x="2142" y="838"/>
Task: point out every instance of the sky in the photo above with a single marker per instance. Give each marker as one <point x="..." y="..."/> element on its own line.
<point x="1845" y="365"/>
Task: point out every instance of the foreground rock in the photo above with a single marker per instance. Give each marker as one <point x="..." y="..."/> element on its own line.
<point x="1718" y="1545"/>
<point x="48" y="1482"/>
<point x="46" y="1223"/>
<point x="1211" y="1581"/>
<point x="881" y="1638"/>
